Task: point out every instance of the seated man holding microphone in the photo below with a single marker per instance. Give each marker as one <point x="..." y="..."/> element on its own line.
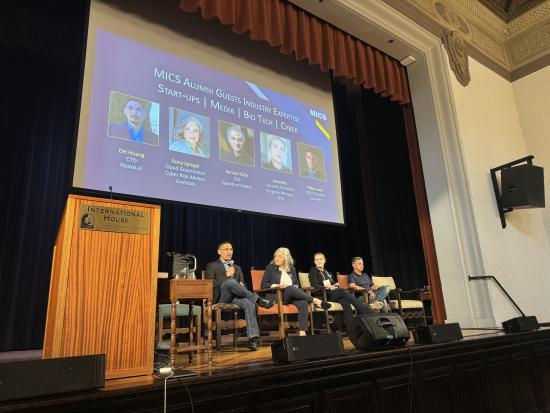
<point x="229" y="287"/>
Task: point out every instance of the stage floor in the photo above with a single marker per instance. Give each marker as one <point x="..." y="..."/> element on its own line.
<point x="227" y="360"/>
<point x="486" y="363"/>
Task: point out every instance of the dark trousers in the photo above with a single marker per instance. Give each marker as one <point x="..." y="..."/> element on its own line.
<point x="346" y="300"/>
<point x="293" y="295"/>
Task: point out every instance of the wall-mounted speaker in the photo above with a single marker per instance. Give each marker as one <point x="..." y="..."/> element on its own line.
<point x="522" y="186"/>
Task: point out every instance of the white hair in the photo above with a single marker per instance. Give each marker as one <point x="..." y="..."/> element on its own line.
<point x="288" y="258"/>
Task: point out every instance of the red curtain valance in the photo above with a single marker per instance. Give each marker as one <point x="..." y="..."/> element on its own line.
<point x="293" y="30"/>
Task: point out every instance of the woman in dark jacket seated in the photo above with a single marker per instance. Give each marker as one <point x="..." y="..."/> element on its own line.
<point x="320" y="279"/>
<point x="280" y="273"/>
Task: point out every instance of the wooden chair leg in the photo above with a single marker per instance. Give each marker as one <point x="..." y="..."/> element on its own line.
<point x="328" y="324"/>
<point x="198" y="329"/>
<point x="160" y="328"/>
<point x="218" y="317"/>
<point x="281" y="314"/>
<point x="282" y="322"/>
<point x="235" y="329"/>
<point x="260" y="324"/>
<point x="311" y="329"/>
<point x="191" y="327"/>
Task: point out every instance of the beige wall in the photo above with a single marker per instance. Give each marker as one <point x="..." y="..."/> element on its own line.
<point x="499" y="122"/>
<point x="532" y="95"/>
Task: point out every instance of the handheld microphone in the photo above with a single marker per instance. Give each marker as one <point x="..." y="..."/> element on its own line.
<point x="230" y="263"/>
<point x="111" y="191"/>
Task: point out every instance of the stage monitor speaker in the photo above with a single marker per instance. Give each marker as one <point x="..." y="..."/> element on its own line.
<point x="300" y="348"/>
<point x="437" y="333"/>
<point x="23" y="379"/>
<point x="520" y="324"/>
<point x="378" y="331"/>
<point x="522" y="187"/>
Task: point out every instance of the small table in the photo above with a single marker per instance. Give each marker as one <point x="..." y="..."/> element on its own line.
<point x="191" y="290"/>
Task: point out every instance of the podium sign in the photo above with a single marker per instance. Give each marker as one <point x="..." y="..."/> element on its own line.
<point x="102" y="218"/>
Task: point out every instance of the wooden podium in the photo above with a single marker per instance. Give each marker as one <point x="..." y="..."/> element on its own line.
<point x="104" y="283"/>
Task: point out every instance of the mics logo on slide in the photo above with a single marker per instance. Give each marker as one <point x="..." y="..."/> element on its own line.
<point x="318" y="115"/>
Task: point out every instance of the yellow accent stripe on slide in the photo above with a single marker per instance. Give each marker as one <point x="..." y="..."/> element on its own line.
<point x="322" y="129"/>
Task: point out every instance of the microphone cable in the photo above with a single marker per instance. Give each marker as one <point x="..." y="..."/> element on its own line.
<point x="168" y="374"/>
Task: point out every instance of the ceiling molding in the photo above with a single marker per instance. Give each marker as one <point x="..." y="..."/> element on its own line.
<point x="513" y="42"/>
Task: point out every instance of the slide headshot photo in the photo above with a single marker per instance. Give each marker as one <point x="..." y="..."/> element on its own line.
<point x="189" y="133"/>
<point x="276" y="153"/>
<point x="236" y="143"/>
<point x="311" y="161"/>
<point x="133" y="119"/>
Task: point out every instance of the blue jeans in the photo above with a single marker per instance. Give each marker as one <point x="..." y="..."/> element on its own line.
<point x="233" y="292"/>
<point x="380" y="295"/>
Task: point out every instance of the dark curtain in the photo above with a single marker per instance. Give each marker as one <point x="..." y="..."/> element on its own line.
<point x="40" y="71"/>
<point x="389" y="194"/>
<point x="39" y="107"/>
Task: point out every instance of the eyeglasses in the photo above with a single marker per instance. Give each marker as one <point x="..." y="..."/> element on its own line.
<point x="226" y="249"/>
<point x="238" y="139"/>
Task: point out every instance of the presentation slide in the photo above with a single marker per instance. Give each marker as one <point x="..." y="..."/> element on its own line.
<point x="163" y="126"/>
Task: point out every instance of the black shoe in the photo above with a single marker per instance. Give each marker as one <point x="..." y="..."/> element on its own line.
<point x="324" y="305"/>
<point x="252" y="344"/>
<point x="262" y="302"/>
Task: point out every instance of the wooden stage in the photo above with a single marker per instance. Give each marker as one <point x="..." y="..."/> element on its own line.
<point x="487" y="371"/>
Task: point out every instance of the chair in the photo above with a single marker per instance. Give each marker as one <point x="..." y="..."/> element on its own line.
<point x="408" y="309"/>
<point x="281" y="310"/>
<point x="182" y="310"/>
<point x="335" y="307"/>
<point x="343" y="283"/>
<point x="220" y="324"/>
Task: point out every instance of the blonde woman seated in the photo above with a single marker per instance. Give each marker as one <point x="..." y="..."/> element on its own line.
<point x="280" y="273"/>
<point x="321" y="279"/>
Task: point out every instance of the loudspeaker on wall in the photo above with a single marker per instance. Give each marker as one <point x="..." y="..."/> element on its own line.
<point x="522" y="187"/>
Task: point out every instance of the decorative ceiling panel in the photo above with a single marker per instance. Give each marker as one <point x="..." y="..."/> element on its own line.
<point x="508" y="10"/>
<point x="511" y="37"/>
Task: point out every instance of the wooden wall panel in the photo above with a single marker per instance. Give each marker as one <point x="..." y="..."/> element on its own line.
<point x="397" y="395"/>
<point x="500" y="389"/>
<point x="525" y="383"/>
<point x="360" y="398"/>
<point x="470" y="388"/>
<point x="438" y="390"/>
<point x="542" y="364"/>
<point x="304" y="404"/>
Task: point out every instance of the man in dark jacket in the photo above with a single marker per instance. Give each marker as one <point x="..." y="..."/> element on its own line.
<point x="229" y="287"/>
